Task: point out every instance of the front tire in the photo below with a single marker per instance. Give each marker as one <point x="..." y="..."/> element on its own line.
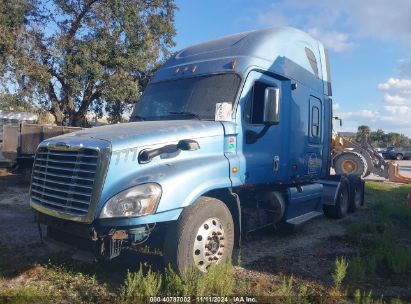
<point x="203" y="236"/>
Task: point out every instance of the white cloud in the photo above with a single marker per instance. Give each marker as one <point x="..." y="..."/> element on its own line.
<point x="336" y="41"/>
<point x="395" y="83"/>
<point x="381" y="19"/>
<point x="358" y="114"/>
<point x="398" y="91"/>
<point x="396" y="99"/>
<point x="401" y="110"/>
<point x="392" y="118"/>
<point x="343" y="20"/>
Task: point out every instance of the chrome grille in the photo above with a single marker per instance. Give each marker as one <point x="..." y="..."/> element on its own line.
<point x="63" y="180"/>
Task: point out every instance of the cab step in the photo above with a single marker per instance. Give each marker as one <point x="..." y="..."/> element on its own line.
<point x="303" y="218"/>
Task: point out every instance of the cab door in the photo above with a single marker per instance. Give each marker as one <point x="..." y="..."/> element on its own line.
<point x="264" y="145"/>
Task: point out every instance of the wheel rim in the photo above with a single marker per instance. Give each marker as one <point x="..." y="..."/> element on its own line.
<point x="349" y="166"/>
<point x="209" y="244"/>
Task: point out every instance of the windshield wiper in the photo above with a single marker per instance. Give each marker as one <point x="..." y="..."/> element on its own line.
<point x="193" y="115"/>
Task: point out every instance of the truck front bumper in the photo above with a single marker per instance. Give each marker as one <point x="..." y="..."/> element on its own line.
<point x="104" y="237"/>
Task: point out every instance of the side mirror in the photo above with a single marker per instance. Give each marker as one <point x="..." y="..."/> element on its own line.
<point x="271" y="105"/>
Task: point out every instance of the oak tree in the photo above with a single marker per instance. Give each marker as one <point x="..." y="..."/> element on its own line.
<point x="76" y="55"/>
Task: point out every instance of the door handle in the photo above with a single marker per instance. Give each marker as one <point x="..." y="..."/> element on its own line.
<point x="276" y="163"/>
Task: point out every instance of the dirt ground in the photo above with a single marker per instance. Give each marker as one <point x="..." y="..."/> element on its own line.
<point x="308" y="253"/>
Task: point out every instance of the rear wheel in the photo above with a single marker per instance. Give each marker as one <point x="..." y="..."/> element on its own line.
<point x="340" y="209"/>
<point x="203" y="236"/>
<point x="399" y="156"/>
<point x="350" y="163"/>
<point x="356" y="196"/>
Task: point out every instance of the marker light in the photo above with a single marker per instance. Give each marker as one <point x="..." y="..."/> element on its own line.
<point x="234" y="170"/>
<point x="194" y="69"/>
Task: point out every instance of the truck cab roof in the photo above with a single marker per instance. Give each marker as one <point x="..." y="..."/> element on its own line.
<point x="284" y="51"/>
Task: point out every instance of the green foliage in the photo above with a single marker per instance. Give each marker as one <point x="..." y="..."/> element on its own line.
<point x="358" y="269"/>
<point x="138" y="285"/>
<point x="11" y="20"/>
<point x="285" y="290"/>
<point x="340" y="272"/>
<point x="88" y="54"/>
<point x="56" y="283"/>
<point x="15" y="102"/>
<point x="379" y="249"/>
<point x="363" y="133"/>
<point x="363" y="298"/>
<point x="381" y="139"/>
<point x="219" y="281"/>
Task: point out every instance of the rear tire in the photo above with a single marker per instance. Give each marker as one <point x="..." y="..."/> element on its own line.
<point x="340" y="209"/>
<point x="350" y="163"/>
<point x="202" y="236"/>
<point x="356" y="196"/>
<point x="399" y="156"/>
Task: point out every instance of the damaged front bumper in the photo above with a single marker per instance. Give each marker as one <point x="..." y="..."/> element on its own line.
<point x="103" y="241"/>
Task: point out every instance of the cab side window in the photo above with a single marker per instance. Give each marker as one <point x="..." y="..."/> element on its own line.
<point x="315" y="121"/>
<point x="255" y="106"/>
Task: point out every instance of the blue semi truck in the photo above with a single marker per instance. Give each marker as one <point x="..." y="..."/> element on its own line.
<point x="230" y="136"/>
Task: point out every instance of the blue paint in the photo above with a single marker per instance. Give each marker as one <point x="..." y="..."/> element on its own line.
<point x="293" y="152"/>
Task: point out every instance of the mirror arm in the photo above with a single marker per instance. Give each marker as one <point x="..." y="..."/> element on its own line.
<point x="252" y="136"/>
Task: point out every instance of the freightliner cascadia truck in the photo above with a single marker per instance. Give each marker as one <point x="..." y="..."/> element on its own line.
<point x="230" y="136"/>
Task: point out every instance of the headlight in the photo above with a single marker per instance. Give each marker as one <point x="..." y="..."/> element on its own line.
<point x="137" y="201"/>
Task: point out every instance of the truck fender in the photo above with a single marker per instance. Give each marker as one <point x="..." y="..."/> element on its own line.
<point x="232" y="200"/>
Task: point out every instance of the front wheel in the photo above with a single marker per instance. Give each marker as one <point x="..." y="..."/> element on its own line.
<point x="203" y="236"/>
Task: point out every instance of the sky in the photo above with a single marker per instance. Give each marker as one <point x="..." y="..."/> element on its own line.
<point x="369" y="43"/>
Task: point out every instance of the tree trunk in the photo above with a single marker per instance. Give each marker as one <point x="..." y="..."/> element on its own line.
<point x="55" y="108"/>
<point x="78" y="120"/>
<point x="58" y="116"/>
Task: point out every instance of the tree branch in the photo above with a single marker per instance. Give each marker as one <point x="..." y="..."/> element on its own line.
<point x="77" y="22"/>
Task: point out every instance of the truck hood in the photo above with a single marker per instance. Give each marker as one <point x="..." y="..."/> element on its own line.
<point x="145" y="133"/>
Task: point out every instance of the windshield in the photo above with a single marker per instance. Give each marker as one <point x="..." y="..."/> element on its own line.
<point x="186" y="98"/>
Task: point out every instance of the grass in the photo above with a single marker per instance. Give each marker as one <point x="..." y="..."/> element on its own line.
<point x="55" y="284"/>
<point x="219" y="281"/>
<point x="382" y="238"/>
<point x="339" y="274"/>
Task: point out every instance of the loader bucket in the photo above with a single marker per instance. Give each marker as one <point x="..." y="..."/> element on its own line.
<point x="394" y="174"/>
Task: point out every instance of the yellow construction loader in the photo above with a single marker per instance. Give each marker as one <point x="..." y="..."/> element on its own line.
<point x="351" y="157"/>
